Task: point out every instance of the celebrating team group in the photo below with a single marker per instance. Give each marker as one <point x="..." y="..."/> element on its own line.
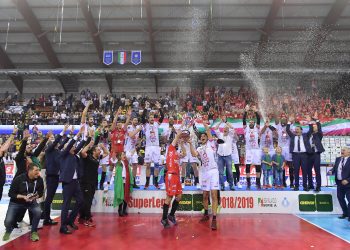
<point x="212" y="153"/>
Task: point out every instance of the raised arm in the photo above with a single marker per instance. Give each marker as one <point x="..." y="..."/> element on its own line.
<point x="290" y="121"/>
<point x="84" y="114"/>
<point x="8" y="142"/>
<point x="86" y="149"/>
<point x="194" y="152"/>
<point x="128" y="117"/>
<point x="104" y="149"/>
<point x="57" y="139"/>
<point x="42" y="144"/>
<point x="114" y="123"/>
<point x="22" y="149"/>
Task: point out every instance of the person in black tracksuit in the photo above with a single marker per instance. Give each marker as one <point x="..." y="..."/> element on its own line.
<point x="52" y="173"/>
<point x="24" y="155"/>
<point x="3" y="150"/>
<point x="90" y="160"/>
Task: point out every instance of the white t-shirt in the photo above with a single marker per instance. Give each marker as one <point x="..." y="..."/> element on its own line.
<point x="151" y="132"/>
<point x="251" y="138"/>
<point x="283" y="137"/>
<point x="266" y="139"/>
<point x="130" y="143"/>
<point x="207" y="155"/>
<point x="225" y="149"/>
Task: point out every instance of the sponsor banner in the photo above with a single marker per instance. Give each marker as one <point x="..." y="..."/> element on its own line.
<point x="283" y="202"/>
<point x="316" y="202"/>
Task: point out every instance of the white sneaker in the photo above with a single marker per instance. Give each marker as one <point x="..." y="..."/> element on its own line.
<point x="183" y="185"/>
<point x="198" y="186"/>
<point x="239" y="185"/>
<point x="162" y="186"/>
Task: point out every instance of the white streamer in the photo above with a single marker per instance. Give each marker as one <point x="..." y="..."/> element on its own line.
<point x="7" y="34"/>
<point x="61" y="21"/>
<point x="56" y="26"/>
<point x="99" y="18"/>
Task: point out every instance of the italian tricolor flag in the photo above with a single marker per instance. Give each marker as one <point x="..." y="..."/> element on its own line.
<point x="121" y="57"/>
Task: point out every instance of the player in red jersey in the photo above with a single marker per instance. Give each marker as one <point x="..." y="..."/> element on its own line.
<point x="172" y="178"/>
<point x="118" y="132"/>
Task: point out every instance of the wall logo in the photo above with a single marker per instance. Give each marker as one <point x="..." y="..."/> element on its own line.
<point x="107" y="201"/>
<point x="267" y="202"/>
<point x="285" y="202"/>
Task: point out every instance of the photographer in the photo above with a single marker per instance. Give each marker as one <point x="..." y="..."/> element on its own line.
<point x="24" y="191"/>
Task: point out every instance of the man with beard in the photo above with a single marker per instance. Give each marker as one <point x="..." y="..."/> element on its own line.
<point x="117" y="137"/>
<point x="172" y="178"/>
<point x="284" y="143"/>
<point x="210" y="178"/>
<point x="132" y="135"/>
<point x="253" y="152"/>
<point x="91" y="155"/>
<point x="152" y="151"/>
<point x="90" y="124"/>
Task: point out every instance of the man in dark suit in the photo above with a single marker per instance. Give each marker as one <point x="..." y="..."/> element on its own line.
<point x="52" y="173"/>
<point x="299" y="147"/>
<point x="70" y="173"/>
<point x="315" y="156"/>
<point x="341" y="170"/>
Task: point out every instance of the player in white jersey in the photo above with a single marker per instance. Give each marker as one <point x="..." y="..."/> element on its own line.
<point x="252" y="149"/>
<point x="131" y="140"/>
<point x="90" y="125"/>
<point x="284" y="143"/>
<point x="210" y="178"/>
<point x="267" y="134"/>
<point x="152" y="151"/>
<point x="189" y="159"/>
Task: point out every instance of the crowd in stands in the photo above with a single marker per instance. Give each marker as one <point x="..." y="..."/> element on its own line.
<point x="209" y="102"/>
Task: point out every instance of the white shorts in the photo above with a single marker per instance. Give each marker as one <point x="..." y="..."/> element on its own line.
<point x="253" y="156"/>
<point x="210" y="180"/>
<point x="286" y="154"/>
<point x="133" y="159"/>
<point x="152" y="154"/>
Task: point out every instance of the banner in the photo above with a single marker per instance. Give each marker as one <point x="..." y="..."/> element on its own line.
<point x="136" y="57"/>
<point x="10" y="172"/>
<point x="283" y="202"/>
<point x="122" y="57"/>
<point x="108" y="57"/>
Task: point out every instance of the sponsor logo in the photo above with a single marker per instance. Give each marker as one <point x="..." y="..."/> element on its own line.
<point x="186" y="203"/>
<point x="307" y="203"/>
<point x="140" y="203"/>
<point x="285" y="202"/>
<point x="267" y="202"/>
<point x="318" y="202"/>
<point x="324" y="203"/>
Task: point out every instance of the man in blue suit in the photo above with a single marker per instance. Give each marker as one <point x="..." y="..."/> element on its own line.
<point x="341" y="170"/>
<point x="299" y="147"/>
<point x="70" y="173"/>
<point x="52" y="173"/>
<point x="315" y="156"/>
